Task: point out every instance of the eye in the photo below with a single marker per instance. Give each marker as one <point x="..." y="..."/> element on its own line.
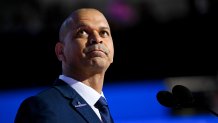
<point x="81" y="33"/>
<point x="104" y="33"/>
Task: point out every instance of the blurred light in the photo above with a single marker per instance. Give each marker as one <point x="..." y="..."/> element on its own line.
<point x="122" y="13"/>
<point x="133" y="102"/>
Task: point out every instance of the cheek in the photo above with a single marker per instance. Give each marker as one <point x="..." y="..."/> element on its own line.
<point x="111" y="49"/>
<point x="77" y="49"/>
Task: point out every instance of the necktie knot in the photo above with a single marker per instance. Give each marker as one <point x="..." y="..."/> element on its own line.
<point x="102" y="106"/>
<point x="101" y="102"/>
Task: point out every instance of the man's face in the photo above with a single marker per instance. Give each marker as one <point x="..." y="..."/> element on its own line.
<point x="89" y="42"/>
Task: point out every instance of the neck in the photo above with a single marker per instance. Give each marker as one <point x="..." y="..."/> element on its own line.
<point x="95" y="81"/>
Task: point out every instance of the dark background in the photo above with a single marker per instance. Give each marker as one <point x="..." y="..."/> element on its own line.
<point x="153" y="39"/>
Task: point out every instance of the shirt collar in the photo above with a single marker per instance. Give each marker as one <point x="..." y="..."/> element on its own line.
<point x="90" y="95"/>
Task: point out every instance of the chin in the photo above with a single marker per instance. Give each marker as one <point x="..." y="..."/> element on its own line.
<point x="99" y="64"/>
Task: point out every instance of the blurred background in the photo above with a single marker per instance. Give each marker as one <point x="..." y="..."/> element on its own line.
<point x="158" y="44"/>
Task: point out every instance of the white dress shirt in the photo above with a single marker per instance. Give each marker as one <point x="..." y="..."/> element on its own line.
<point x="90" y="95"/>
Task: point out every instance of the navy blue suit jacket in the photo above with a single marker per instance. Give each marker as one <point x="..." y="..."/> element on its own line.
<point x="58" y="104"/>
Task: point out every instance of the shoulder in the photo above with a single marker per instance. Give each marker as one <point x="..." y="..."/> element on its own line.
<point x="40" y="100"/>
<point x="49" y="92"/>
<point x="51" y="97"/>
<point x="40" y="107"/>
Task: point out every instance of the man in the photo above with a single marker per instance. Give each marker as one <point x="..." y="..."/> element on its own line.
<point x="86" y="51"/>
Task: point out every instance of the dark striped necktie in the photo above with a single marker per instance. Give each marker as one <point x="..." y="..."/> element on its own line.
<point x="102" y="106"/>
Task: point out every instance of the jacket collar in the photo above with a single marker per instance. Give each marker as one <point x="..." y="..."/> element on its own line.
<point x="77" y="102"/>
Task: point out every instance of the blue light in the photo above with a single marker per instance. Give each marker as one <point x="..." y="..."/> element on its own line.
<point x="130" y="102"/>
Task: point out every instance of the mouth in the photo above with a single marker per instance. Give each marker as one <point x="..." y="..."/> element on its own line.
<point x="96" y="53"/>
<point x="96" y="50"/>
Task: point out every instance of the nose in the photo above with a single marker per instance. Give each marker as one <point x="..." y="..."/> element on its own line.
<point x="95" y="39"/>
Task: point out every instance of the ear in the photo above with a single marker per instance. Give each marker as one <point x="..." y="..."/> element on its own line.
<point x="59" y="47"/>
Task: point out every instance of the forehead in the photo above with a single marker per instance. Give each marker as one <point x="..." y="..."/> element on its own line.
<point x="92" y="18"/>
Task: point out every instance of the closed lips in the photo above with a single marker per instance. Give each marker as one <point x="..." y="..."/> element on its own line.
<point x="95" y="50"/>
<point x="98" y="48"/>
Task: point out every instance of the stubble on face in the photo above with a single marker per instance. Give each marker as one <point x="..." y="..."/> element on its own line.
<point x="90" y="18"/>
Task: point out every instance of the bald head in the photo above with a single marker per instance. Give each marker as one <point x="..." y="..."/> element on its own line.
<point x="75" y="17"/>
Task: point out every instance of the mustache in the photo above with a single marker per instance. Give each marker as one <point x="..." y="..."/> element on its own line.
<point x="94" y="47"/>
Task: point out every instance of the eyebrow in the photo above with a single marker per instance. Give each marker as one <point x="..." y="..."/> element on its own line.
<point x="103" y="28"/>
<point x="80" y="25"/>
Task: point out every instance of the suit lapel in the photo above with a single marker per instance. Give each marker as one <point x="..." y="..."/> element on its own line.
<point x="85" y="110"/>
<point x="78" y="103"/>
